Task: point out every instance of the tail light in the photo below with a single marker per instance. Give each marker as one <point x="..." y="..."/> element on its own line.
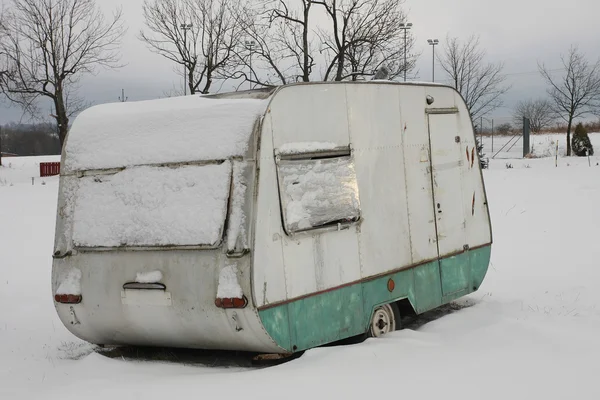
<point x="231" y="302"/>
<point x="68" y="298"/>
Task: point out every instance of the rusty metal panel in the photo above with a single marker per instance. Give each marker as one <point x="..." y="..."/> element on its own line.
<point x="417" y="174"/>
<point x="310" y="113"/>
<point x="268" y="272"/>
<point x="446" y="157"/>
<point x="377" y="136"/>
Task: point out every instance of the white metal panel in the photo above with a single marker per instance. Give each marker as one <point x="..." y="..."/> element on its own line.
<point x="299" y="265"/>
<point x="475" y="206"/>
<point x="336" y="258"/>
<point x="310" y="113"/>
<point x="376" y="136"/>
<point x="269" y="279"/>
<point x="320" y="261"/>
<point x="443" y="97"/>
<point x="417" y="174"/>
<point x="447" y="161"/>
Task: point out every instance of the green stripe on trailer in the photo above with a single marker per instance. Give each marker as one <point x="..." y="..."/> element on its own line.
<point x="345" y="312"/>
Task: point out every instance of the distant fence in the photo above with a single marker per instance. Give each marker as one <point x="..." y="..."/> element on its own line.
<point x="49" y="168"/>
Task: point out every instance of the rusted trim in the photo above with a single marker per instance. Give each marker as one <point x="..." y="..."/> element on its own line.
<point x="481" y="246"/>
<point x="442" y="110"/>
<point x="368" y="279"/>
<point x="341" y="151"/>
<point x="87" y="249"/>
<point x="111" y="171"/>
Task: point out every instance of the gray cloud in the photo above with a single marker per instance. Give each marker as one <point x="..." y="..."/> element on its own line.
<point x="518" y="32"/>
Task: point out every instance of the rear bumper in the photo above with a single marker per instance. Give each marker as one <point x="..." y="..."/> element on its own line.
<point x="184" y="314"/>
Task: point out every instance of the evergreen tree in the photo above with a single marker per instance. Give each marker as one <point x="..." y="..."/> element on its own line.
<point x="581" y="144"/>
<point x="483" y="161"/>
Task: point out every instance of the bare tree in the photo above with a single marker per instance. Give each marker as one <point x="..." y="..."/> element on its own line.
<point x="576" y="93"/>
<point x="277" y="47"/>
<point x="480" y="83"/>
<point x="293" y="30"/>
<point x="198" y="35"/>
<point x="47" y="45"/>
<point x="539" y="112"/>
<point x="364" y="35"/>
<point x="367" y="58"/>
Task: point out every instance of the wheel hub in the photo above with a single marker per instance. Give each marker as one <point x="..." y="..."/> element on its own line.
<point x="383" y="321"/>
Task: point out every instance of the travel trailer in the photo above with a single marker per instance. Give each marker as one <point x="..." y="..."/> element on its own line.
<point x="271" y="220"/>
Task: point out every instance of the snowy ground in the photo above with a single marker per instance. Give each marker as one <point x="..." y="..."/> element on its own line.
<point x="530" y="332"/>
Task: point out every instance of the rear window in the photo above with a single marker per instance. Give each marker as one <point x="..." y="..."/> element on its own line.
<point x="153" y="206"/>
<point x="318" y="193"/>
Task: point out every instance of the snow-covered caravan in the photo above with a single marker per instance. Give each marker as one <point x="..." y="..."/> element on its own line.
<point x="268" y="220"/>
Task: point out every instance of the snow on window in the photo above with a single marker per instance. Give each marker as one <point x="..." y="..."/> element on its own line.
<point x="181" y="129"/>
<point x="153" y="206"/>
<point x="306" y="147"/>
<point x="316" y="193"/>
<point x="237" y="218"/>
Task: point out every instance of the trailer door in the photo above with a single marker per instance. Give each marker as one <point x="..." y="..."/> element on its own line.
<point x="446" y="166"/>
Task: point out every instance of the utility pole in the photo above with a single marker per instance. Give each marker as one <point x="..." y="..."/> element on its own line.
<point x="405" y="27"/>
<point x="492" y="135"/>
<point x="123" y="99"/>
<point x="250" y="46"/>
<point x="526" y="131"/>
<point x="0" y="146"/>
<point x="185" y="28"/>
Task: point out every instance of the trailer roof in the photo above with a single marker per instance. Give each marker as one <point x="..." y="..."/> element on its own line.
<point x="180" y="129"/>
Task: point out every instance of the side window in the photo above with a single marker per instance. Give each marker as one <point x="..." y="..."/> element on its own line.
<point x="318" y="193"/>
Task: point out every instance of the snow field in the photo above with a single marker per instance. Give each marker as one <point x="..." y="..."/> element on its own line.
<point x="530" y="332"/>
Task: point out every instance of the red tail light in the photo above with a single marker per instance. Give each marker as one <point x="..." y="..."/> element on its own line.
<point x="68" y="298"/>
<point x="232" y="302"/>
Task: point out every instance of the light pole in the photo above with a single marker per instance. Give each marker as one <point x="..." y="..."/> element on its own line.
<point x="123" y="99"/>
<point x="405" y="27"/>
<point x="250" y="45"/>
<point x="185" y="28"/>
<point x="433" y="43"/>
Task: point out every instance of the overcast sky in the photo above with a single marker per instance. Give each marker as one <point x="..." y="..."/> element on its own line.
<point x="518" y="32"/>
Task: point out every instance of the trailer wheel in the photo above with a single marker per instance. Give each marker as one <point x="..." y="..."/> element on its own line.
<point x="385" y="319"/>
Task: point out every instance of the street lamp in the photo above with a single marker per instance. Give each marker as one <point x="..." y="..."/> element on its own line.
<point x="250" y="45"/>
<point x="185" y="28"/>
<point x="433" y="43"/>
<point x="405" y="27"/>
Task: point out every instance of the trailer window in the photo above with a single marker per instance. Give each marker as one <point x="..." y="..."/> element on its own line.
<point x="318" y="193"/>
<point x="149" y="206"/>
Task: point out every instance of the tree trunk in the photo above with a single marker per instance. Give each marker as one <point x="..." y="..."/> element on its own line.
<point x="190" y="82"/>
<point x="208" y="83"/>
<point x="62" y="118"/>
<point x="569" y="135"/>
<point x="340" y="66"/>
<point x="306" y="61"/>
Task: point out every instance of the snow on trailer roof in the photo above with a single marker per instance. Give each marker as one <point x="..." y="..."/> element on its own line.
<point x="180" y="129"/>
